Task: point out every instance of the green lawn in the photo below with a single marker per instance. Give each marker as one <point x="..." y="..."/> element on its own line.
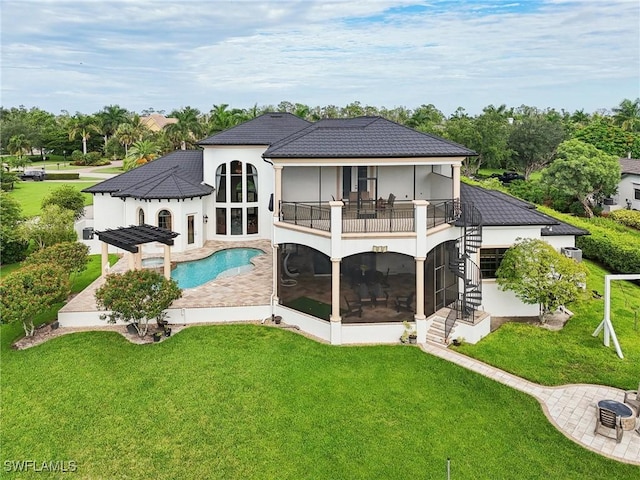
<point x="572" y="355"/>
<point x="30" y="194"/>
<point x="249" y="401"/>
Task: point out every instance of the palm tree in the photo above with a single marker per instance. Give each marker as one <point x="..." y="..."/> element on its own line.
<point x="111" y="117"/>
<point x="126" y="135"/>
<point x="627" y="115"/>
<point x="188" y="129"/>
<point x="83" y="125"/>
<point x="18" y="145"/>
<point x="221" y="119"/>
<point x="142" y="151"/>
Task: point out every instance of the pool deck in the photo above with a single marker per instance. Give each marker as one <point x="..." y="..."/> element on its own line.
<point x="249" y="288"/>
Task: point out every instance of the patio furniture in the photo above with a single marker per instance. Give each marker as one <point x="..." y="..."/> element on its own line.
<point x="622" y="411"/>
<point x="380" y="297"/>
<point x="632" y="397"/>
<point x="352" y="308"/>
<point x="608" y="419"/>
<point x="364" y="295"/>
<point x="404" y="302"/>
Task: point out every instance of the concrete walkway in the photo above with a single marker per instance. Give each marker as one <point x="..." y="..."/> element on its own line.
<point x="571" y="408"/>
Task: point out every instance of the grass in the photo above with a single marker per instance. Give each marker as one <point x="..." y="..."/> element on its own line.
<point x="572" y="355"/>
<point x="311" y="306"/>
<point x="30" y="194"/>
<point x="249" y="401"/>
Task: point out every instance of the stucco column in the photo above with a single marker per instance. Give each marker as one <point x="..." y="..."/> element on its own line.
<point x="277" y="193"/>
<point x="456" y="180"/>
<point x="421" y="320"/>
<point x="104" y="259"/>
<point x="336" y="321"/>
<point x="167" y="262"/>
<point x="131" y="261"/>
<point x="138" y="258"/>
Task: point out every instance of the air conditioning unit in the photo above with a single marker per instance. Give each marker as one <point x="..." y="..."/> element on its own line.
<point x="572" y="252"/>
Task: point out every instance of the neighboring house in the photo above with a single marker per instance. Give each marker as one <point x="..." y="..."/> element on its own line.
<point x="629" y="186"/>
<point x="156" y="122"/>
<point x="347" y="200"/>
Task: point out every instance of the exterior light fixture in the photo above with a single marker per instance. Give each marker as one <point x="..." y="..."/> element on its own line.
<point x="205" y="218"/>
<point x="379" y="248"/>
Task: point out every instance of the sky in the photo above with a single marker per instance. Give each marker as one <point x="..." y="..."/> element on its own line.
<point x="79" y="56"/>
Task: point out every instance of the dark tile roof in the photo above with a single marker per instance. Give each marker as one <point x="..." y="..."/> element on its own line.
<point x="630" y="165"/>
<point x="499" y="209"/>
<point x="362" y="137"/>
<point x="176" y="175"/>
<point x="263" y="130"/>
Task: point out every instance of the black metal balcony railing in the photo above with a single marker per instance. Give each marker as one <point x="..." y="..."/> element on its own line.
<point x="368" y="219"/>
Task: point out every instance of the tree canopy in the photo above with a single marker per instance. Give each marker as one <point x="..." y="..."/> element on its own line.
<point x="538" y="274"/>
<point x="583" y="171"/>
<point x="137" y="296"/>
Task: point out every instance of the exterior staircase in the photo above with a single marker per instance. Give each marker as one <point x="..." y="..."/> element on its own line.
<point x="461" y="265"/>
<point x="436" y="332"/>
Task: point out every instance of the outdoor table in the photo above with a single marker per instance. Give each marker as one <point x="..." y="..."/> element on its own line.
<point x="621" y="410"/>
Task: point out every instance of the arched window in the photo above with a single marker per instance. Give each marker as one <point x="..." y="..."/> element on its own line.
<point x="140" y="216"/>
<point x="164" y="219"/>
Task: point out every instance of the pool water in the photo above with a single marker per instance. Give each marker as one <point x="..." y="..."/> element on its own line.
<point x="227" y="262"/>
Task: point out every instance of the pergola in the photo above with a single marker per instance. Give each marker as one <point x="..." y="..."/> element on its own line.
<point x="130" y="238"/>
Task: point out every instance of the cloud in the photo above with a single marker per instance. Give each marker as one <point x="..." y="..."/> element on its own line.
<point x="384" y="52"/>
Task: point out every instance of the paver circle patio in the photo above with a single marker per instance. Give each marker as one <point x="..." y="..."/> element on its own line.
<point x="571" y="408"/>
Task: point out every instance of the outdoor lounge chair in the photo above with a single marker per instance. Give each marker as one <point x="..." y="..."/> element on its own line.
<point x="352" y="308"/>
<point x="608" y="419"/>
<point x="404" y="303"/>
<point x="364" y="295"/>
<point x="380" y="297"/>
<point x="632" y="398"/>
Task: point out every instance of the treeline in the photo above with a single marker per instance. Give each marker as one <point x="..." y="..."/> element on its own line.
<point x="522" y="138"/>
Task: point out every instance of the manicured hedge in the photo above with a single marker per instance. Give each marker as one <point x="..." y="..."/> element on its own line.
<point x="610" y="243"/>
<point x="62" y="176"/>
<point x="630" y="218"/>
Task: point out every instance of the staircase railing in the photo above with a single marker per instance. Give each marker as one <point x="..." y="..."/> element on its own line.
<point x="460" y="263"/>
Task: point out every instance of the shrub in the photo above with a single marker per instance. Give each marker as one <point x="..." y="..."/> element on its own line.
<point x="93" y="158"/>
<point x="66" y="196"/>
<point x="630" y="218"/>
<point x="62" y="176"/>
<point x="610" y="243"/>
<point x="72" y="257"/>
<point x="77" y="157"/>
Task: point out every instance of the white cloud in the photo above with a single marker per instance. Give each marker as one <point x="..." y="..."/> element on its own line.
<point x="83" y="55"/>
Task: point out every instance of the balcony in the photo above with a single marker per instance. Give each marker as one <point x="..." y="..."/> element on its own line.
<point x="368" y="217"/>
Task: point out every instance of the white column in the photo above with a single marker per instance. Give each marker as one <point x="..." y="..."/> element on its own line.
<point x="277" y="193"/>
<point x="167" y="262"/>
<point x="421" y="320"/>
<point x="105" y="258"/>
<point x="456" y="180"/>
<point x="335" y="290"/>
<point x="131" y="260"/>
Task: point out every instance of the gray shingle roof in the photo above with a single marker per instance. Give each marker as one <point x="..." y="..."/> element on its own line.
<point x="176" y="175"/>
<point x="630" y="165"/>
<point x="263" y="130"/>
<point x="362" y="137"/>
<point x="499" y="209"/>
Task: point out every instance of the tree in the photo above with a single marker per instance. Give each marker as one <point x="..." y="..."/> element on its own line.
<point x="66" y="196"/>
<point x="188" y="129"/>
<point x="84" y="126"/>
<point x="627" y="115"/>
<point x="31" y="290"/>
<point x="534" y="139"/>
<point x="426" y="118"/>
<point x="55" y="225"/>
<point x="461" y="128"/>
<point x="609" y="138"/>
<point x="19" y="146"/>
<point x="13" y="247"/>
<point x="537" y="273"/>
<point x="137" y="296"/>
<point x="142" y="152"/>
<point x="583" y="171"/>
<point x="110" y="117"/>
<point x="72" y="257"/>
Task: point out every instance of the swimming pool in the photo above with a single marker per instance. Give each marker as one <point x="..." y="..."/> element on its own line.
<point x="223" y="263"/>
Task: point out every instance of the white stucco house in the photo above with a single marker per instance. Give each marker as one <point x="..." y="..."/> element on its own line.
<point x="629" y="187"/>
<point x="349" y="202"/>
